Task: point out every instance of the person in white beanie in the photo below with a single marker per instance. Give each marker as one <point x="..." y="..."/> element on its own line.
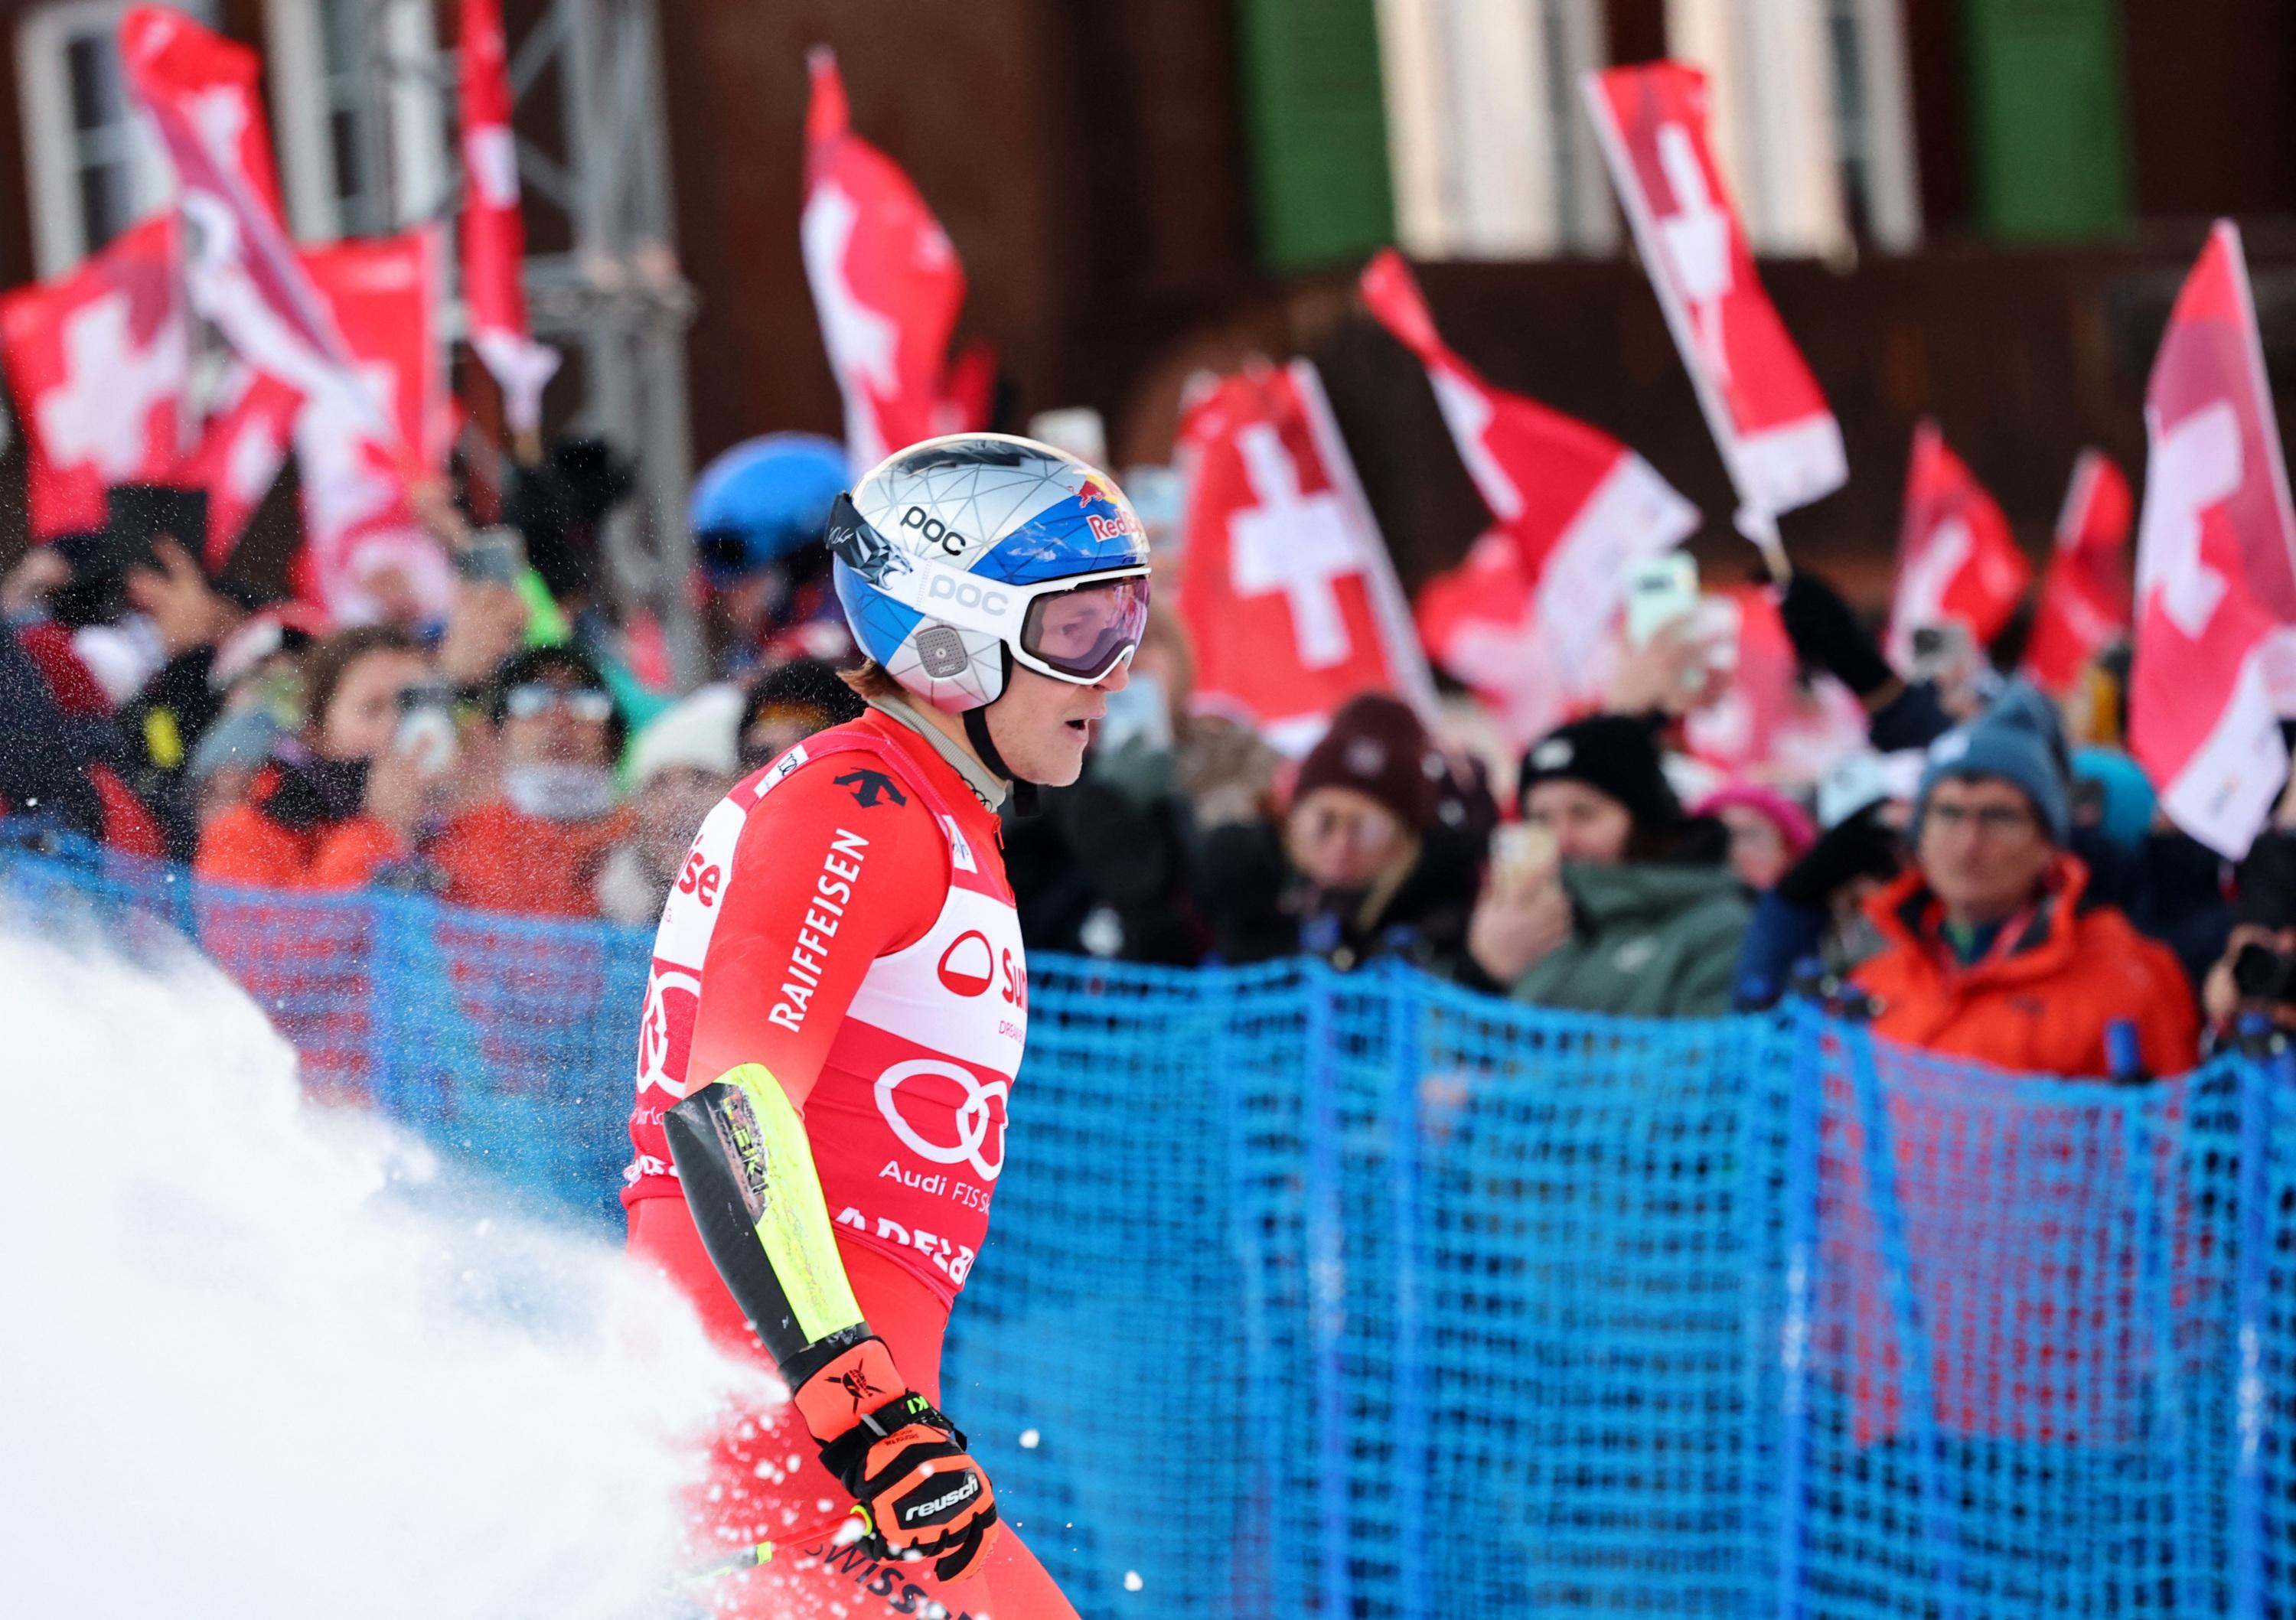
<point x="679" y="767"/>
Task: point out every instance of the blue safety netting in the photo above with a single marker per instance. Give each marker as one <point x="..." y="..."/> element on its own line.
<point x="1360" y="1296"/>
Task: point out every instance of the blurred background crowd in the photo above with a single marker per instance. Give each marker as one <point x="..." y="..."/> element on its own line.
<point x="522" y="687"/>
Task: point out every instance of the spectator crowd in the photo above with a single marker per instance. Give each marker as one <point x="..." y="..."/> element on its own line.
<point x="1988" y="877"/>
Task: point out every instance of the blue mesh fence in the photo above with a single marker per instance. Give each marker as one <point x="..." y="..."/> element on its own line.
<point x="1360" y="1296"/>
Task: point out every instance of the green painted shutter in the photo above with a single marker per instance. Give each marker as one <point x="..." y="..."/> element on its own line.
<point x="1318" y="129"/>
<point x="2047" y="117"/>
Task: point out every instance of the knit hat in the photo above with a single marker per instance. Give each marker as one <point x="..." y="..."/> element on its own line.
<point x="2017" y="740"/>
<point x="1613" y="755"/>
<point x="695" y="733"/>
<point x="2127" y="799"/>
<point x="1792" y="821"/>
<point x="1376" y="746"/>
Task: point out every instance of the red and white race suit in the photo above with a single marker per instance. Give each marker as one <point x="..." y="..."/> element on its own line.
<point x="843" y="919"/>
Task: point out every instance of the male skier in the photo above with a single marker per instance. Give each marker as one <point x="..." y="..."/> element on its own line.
<point x="839" y="997"/>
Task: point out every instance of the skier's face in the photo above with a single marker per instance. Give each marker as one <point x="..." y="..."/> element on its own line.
<point x="1042" y="727"/>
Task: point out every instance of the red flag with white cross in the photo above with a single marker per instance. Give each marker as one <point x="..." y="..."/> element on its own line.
<point x="242" y="274"/>
<point x="1285" y="583"/>
<point x="1480" y="621"/>
<point x="1776" y="434"/>
<point x="1957" y="560"/>
<point x="2084" y="600"/>
<point x="97" y="361"/>
<point x="493" y="231"/>
<point x="886" y="283"/>
<point x="242" y="451"/>
<point x="217" y="85"/>
<point x="2216" y="565"/>
<point x="385" y="296"/>
<point x="1579" y="506"/>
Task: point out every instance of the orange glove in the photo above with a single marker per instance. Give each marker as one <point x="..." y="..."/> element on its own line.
<point x="904" y="1463"/>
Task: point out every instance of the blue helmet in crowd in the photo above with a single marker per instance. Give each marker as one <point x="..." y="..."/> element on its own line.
<point x="960" y="557"/>
<point x="763" y="501"/>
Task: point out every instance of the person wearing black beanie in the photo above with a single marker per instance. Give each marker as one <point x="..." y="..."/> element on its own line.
<point x="1622" y="807"/>
<point x="1592" y="904"/>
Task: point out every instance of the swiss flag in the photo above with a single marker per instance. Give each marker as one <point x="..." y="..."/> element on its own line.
<point x="2216" y="565"/>
<point x="1779" y="440"/>
<point x="494" y="233"/>
<point x="1480" y="621"/>
<point x="2085" y="597"/>
<point x="216" y="85"/>
<point x="1578" y="505"/>
<point x="886" y="283"/>
<point x="1957" y="561"/>
<point x="1768" y="725"/>
<point x="1285" y="583"/>
<point x="98" y="361"/>
<point x="384" y="296"/>
<point x="240" y="453"/>
<point x="244" y="274"/>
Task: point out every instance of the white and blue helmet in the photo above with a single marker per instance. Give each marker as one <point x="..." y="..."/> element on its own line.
<point x="961" y="556"/>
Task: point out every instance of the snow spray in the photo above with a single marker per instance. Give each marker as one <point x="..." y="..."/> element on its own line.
<point x="266" y="1360"/>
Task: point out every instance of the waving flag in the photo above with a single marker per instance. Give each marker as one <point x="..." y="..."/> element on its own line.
<point x="1776" y="435"/>
<point x="217" y="86"/>
<point x="2216" y="565"/>
<point x="1768" y="725"/>
<point x="1957" y="561"/>
<point x="1480" y="622"/>
<point x="886" y="283"/>
<point x="244" y="274"/>
<point x="1578" y="505"/>
<point x="384" y="296"/>
<point x="2084" y="600"/>
<point x="241" y="454"/>
<point x="494" y="233"/>
<point x="98" y="361"/>
<point x="1285" y="581"/>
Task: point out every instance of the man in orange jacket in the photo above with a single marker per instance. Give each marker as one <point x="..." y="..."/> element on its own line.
<point x="1995" y="952"/>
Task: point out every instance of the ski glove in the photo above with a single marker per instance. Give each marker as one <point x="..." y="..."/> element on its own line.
<point x="906" y="1464"/>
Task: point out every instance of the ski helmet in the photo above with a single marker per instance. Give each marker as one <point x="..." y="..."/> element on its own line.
<point x="763" y="501"/>
<point x="961" y="556"/>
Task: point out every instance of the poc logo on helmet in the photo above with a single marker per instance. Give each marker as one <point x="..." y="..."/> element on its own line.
<point x="965" y="594"/>
<point x="935" y="531"/>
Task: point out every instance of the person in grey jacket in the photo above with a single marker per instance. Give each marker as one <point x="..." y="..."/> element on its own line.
<point x="1607" y="899"/>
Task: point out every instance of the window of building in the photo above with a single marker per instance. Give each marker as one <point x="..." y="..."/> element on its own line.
<point x="1491" y="151"/>
<point x="1812" y="119"/>
<point x="94" y="169"/>
<point x="355" y="88"/>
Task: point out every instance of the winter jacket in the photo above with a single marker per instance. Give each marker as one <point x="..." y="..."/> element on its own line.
<point x="494" y="858"/>
<point x="295" y="809"/>
<point x="2043" y="1006"/>
<point x="1104" y="869"/>
<point x="1259" y="907"/>
<point x="1650" y="939"/>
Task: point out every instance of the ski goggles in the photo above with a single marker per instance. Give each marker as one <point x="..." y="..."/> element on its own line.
<point x="537" y="698"/>
<point x="1083" y="630"/>
<point x="1075" y="629"/>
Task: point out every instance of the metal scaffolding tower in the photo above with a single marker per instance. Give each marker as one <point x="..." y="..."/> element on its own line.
<point x="614" y="301"/>
<point x="617" y="301"/>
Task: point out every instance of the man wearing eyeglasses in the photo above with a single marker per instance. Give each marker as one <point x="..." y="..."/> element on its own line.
<point x="537" y="841"/>
<point x="1996" y="950"/>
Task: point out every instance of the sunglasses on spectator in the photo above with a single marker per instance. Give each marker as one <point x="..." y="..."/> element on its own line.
<point x="582" y="702"/>
<point x="1995" y="821"/>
